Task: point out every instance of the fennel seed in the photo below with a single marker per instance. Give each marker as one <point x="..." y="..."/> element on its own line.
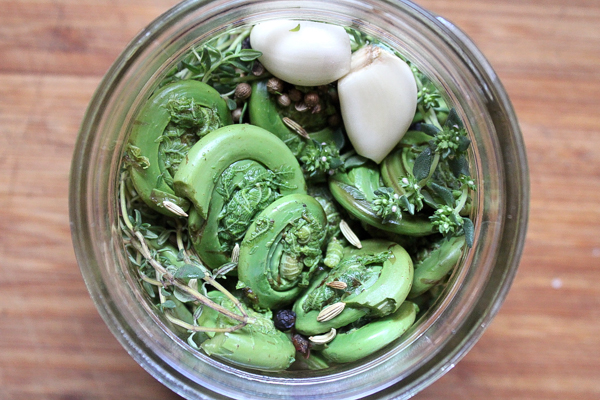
<point x="293" y="125"/>
<point x="337" y="285"/>
<point x="331" y="311"/>
<point x="235" y="253"/>
<point x="324" y="338"/>
<point x="174" y="208"/>
<point x="349" y="234"/>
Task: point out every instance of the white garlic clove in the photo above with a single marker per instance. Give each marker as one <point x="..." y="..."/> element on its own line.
<point x="378" y="99"/>
<point x="302" y="52"/>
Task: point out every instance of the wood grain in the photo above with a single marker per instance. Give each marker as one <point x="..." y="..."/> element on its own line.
<point x="545" y="341"/>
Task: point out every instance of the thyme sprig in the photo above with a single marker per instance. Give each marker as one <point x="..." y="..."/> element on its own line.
<point x="429" y="181"/>
<point x="138" y="235"/>
<point x="222" y="62"/>
<point x="447" y="218"/>
<point x="321" y="158"/>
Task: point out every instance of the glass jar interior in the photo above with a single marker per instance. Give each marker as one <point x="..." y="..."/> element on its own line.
<point x="440" y="338"/>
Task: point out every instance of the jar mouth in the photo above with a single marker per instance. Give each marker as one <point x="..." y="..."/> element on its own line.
<point x="440" y="338"/>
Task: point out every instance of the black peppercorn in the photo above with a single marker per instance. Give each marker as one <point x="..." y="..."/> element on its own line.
<point x="285" y="319"/>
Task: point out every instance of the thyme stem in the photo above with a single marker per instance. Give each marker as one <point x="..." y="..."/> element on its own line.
<point x="151" y="281"/>
<point x="180" y="246"/>
<point x="142" y="247"/>
<point x="196" y="328"/>
<point x="462" y="200"/>
<point x="124" y="203"/>
<point x="231" y="297"/>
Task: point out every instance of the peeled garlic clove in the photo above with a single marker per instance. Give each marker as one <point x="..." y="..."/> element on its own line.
<point x="302" y="52"/>
<point x="378" y="99"/>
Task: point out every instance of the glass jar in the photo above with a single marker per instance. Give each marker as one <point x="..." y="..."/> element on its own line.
<point x="439" y="339"/>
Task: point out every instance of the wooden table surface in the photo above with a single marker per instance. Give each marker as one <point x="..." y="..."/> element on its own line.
<point x="545" y="341"/>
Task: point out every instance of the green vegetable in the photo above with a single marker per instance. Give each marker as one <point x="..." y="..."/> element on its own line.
<point x="258" y="345"/>
<point x="378" y="278"/>
<point x="306" y="322"/>
<point x="243" y="190"/>
<point x="225" y="146"/>
<point x="264" y="112"/>
<point x="436" y="266"/>
<point x="355" y="191"/>
<point x="161" y="129"/>
<point x="281" y="249"/>
<point x="362" y="342"/>
<point x="284" y="204"/>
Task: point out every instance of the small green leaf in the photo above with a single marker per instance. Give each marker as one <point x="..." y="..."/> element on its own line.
<point x="352" y="191"/>
<point x="469" y="230"/>
<point x="231" y="104"/>
<point x="163" y="237"/>
<point x="214" y="52"/>
<point x="443" y="192"/>
<point x="150" y="235"/>
<point x="238" y="65"/>
<point x="189" y="271"/>
<point x="192" y="68"/>
<point x="459" y="166"/>
<point x="138" y="218"/>
<point x="296" y="29"/>
<point x="354" y="161"/>
<point x="335" y="163"/>
<point x="249" y="54"/>
<point x="182" y="296"/>
<point x="453" y="120"/>
<point x="463" y="144"/>
<point x="429" y="129"/>
<point x="169" y="304"/>
<point x="407" y="205"/>
<point x="423" y="164"/>
<point x="205" y="59"/>
<point x="149" y="289"/>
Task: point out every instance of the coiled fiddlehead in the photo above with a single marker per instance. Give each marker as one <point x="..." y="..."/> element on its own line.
<point x="211" y="156"/>
<point x="378" y="278"/>
<point x="436" y="265"/>
<point x="258" y="345"/>
<point x="244" y="189"/>
<point x="371" y="337"/>
<point x="230" y="176"/>
<point x="355" y="191"/>
<point x="169" y="123"/>
<point x="281" y="249"/>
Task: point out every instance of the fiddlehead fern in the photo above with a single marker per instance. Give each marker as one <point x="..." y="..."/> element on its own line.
<point x="377" y="280"/>
<point x="355" y="191"/>
<point x="230" y="177"/>
<point x="281" y="249"/>
<point x="169" y="123"/>
<point x="258" y="345"/>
